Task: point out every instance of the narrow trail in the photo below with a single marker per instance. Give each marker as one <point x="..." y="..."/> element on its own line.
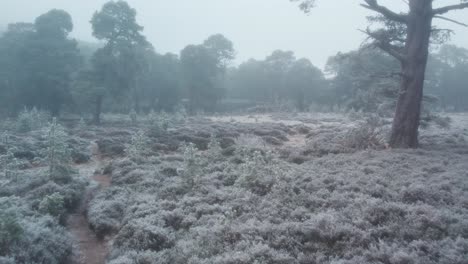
<point x="90" y="249"/>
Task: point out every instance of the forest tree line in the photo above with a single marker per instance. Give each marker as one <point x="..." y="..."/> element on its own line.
<point x="42" y="66"/>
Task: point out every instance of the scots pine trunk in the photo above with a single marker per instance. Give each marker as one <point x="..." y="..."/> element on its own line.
<point x="408" y="112"/>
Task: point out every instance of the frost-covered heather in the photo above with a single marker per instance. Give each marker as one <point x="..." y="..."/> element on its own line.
<point x="251" y="205"/>
<point x="33" y="201"/>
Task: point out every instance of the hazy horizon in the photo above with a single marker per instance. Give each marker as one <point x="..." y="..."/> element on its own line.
<point x="257" y="27"/>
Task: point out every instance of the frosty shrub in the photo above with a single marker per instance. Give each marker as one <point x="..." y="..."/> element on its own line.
<point x="53" y="205"/>
<point x="28" y="237"/>
<point x="369" y="134"/>
<point x="106" y="210"/>
<point x="10" y="232"/>
<point x="250" y="141"/>
<point x="259" y="172"/>
<point x="29" y="120"/>
<point x="58" y="153"/>
<point x="138" y="146"/>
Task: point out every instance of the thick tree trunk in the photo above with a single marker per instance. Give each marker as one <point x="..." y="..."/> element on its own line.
<point x="98" y="110"/>
<point x="408" y="111"/>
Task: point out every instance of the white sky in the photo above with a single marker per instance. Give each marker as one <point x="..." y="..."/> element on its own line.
<point x="257" y="27"/>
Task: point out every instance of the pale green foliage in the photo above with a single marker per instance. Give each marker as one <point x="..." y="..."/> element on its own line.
<point x="29" y="120"/>
<point x="53" y="205"/>
<point x="138" y="145"/>
<point x="58" y="153"/>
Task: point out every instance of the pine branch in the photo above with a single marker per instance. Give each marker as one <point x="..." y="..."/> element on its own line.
<point x="387" y="13"/>
<point x="445" y="9"/>
<point x="382" y="42"/>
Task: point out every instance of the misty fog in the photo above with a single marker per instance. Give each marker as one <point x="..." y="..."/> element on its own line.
<point x="233" y="132"/>
<point x="257" y="27"/>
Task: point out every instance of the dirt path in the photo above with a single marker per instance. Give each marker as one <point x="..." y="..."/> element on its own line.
<point x="90" y="249"/>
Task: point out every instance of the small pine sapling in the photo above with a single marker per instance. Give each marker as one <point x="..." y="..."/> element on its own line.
<point x="138" y="146"/>
<point x="58" y="153"/>
<point x="9" y="162"/>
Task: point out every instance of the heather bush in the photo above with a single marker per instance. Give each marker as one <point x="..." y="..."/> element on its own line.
<point x="53" y="205"/>
<point x="10" y="231"/>
<point x="106" y="210"/>
<point x="30" y="238"/>
<point x="34" y="200"/>
<point x="358" y="207"/>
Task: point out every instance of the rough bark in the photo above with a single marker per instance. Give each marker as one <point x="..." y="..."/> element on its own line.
<point x="408" y="111"/>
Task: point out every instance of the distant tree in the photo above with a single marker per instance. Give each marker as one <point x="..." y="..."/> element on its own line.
<point x="449" y="77"/>
<point x="249" y="81"/>
<point x="89" y="92"/>
<point x="406" y="36"/>
<point x="12" y="71"/>
<point x="304" y="82"/>
<point x="279" y="78"/>
<point x="118" y="64"/>
<point x="161" y="85"/>
<point x="222" y="49"/>
<point x="277" y="65"/>
<point x="203" y="67"/>
<point x="40" y="61"/>
<point x="199" y="69"/>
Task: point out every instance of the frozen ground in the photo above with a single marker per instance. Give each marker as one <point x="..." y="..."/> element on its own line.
<point x="278" y="189"/>
<point x="302" y="197"/>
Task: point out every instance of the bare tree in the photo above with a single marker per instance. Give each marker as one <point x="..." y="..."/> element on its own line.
<point x="406" y="36"/>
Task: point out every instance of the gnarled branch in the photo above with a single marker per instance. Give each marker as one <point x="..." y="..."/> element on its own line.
<point x="445" y="9"/>
<point x="374" y="6"/>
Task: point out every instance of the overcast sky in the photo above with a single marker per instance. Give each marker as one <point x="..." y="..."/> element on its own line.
<point x="257" y="27"/>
